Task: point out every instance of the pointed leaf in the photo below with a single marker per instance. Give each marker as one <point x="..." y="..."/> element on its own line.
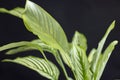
<point x="80" y="40"/>
<point x="103" y="60"/>
<point x="91" y="55"/>
<point x="100" y="47"/>
<point x="43" y="25"/>
<point x="13" y="45"/>
<point x="38" y="21"/>
<point x="43" y="67"/>
<point x="16" y="11"/>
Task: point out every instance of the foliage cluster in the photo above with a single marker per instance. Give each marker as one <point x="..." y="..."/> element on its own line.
<point x="52" y="38"/>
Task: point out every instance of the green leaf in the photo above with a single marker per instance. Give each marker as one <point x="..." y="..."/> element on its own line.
<point x="13" y="45"/>
<point x="43" y="67"/>
<point x="80" y="64"/>
<point x="103" y="60"/>
<point x="79" y="59"/>
<point x="91" y="55"/>
<point x="20" y="49"/>
<point x="46" y="28"/>
<point x="100" y="47"/>
<point x="16" y="11"/>
<point x="32" y="45"/>
<point x="80" y="40"/>
<point x="44" y="46"/>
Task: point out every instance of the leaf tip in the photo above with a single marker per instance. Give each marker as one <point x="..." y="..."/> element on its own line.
<point x="115" y="42"/>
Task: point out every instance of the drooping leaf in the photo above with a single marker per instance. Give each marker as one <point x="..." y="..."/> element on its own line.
<point x="103" y="60"/>
<point x="16" y="11"/>
<point x="43" y="67"/>
<point x="13" y="45"/>
<point x="20" y="49"/>
<point x="28" y="46"/>
<point x="38" y="21"/>
<point x="16" y="47"/>
<point x="100" y="47"/>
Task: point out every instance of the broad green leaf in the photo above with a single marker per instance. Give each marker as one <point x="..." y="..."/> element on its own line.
<point x="43" y="67"/>
<point x="16" y="11"/>
<point x="100" y="47"/>
<point x="46" y="28"/>
<point x="103" y="60"/>
<point x="80" y="40"/>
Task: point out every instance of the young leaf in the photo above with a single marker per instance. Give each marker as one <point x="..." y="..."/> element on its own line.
<point x="43" y="67"/>
<point x="79" y="59"/>
<point x="91" y="54"/>
<point x="103" y="60"/>
<point x="80" y="40"/>
<point x="100" y="47"/>
<point x="16" y="11"/>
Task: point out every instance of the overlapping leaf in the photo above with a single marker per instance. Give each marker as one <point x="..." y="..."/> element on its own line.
<point x="53" y="39"/>
<point x="103" y="60"/>
<point x="43" y="25"/>
<point x="21" y="46"/>
<point x="100" y="47"/>
<point x="46" y="28"/>
<point x="97" y="55"/>
<point x="43" y="67"/>
<point x="14" y="45"/>
<point x="79" y="59"/>
<point x="80" y="40"/>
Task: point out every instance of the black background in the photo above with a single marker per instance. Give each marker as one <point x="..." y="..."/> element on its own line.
<point x="91" y="17"/>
